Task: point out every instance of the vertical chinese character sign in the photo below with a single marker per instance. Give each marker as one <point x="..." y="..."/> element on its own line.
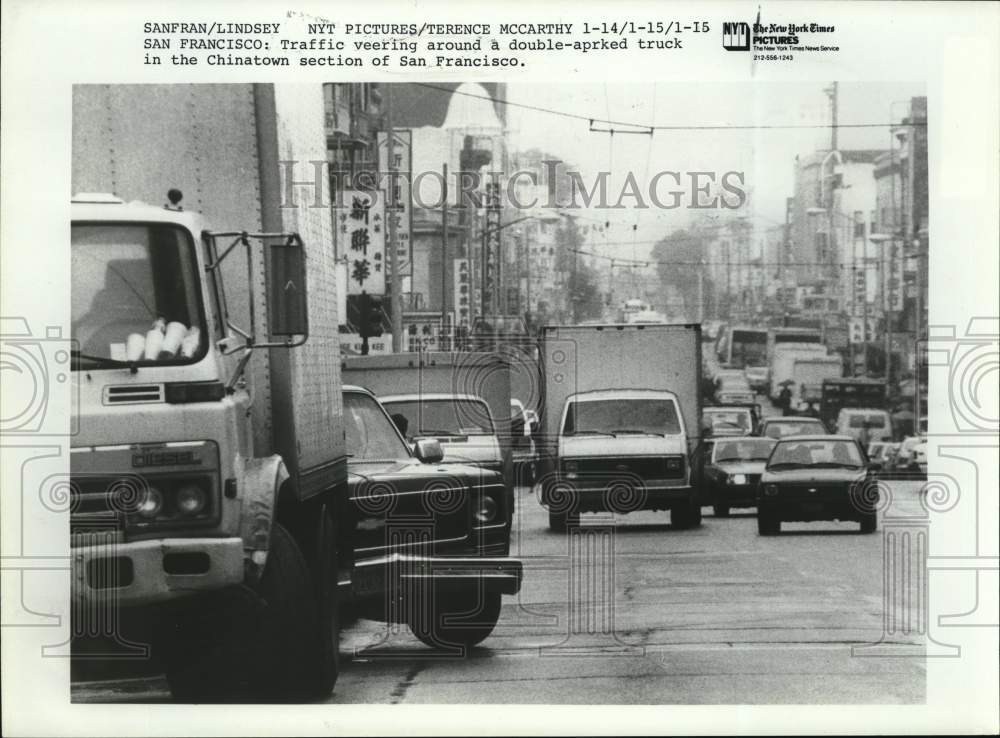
<point x="463" y="293"/>
<point x="361" y="231"/>
<point x="400" y="205"/>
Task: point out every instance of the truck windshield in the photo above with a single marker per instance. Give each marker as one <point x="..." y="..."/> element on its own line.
<point x="444" y="417"/>
<point x="369" y="433"/>
<point x="135" y="295"/>
<point x="657" y="416"/>
<point x="749" y="348"/>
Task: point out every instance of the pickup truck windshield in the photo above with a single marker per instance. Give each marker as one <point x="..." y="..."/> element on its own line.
<point x="135" y="295"/>
<point x="369" y="433"/>
<point x="657" y="416"/>
<point x="443" y="417"/>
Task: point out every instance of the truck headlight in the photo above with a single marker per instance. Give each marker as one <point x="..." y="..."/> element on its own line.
<point x="487" y="509"/>
<point x="190" y="499"/>
<point x="571" y="468"/>
<point x="770" y="490"/>
<point x="151" y="503"/>
<point x="737" y="479"/>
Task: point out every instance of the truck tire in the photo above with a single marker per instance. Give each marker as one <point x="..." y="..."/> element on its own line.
<point x="767" y="524"/>
<point x="294" y="666"/>
<point x="869" y="522"/>
<point x="325" y="575"/>
<point x="687" y="515"/>
<point x="457" y="621"/>
<point x="560" y="521"/>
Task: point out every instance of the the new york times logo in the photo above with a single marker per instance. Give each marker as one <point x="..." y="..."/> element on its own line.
<point x="736" y="36"/>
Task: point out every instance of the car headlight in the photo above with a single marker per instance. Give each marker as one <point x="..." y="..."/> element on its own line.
<point x="487" y="509"/>
<point x="151" y="503"/>
<point x="770" y="490"/>
<point x="738" y="479"/>
<point x="190" y="499"/>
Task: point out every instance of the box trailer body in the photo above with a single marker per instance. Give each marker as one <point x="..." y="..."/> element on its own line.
<point x="783" y="360"/>
<point x="642" y="370"/>
<point x="809" y="374"/>
<point x="210" y="439"/>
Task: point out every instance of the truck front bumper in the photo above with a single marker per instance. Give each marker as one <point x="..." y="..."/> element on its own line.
<point x="402" y="573"/>
<point x="146" y="572"/>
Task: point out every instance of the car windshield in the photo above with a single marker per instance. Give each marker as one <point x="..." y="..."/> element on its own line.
<point x="135" y="295"/>
<point x="743" y="449"/>
<point x="647" y="415"/>
<point x="832" y="453"/>
<point x="444" y="417"/>
<point x="370" y="435"/>
<point x="792" y="428"/>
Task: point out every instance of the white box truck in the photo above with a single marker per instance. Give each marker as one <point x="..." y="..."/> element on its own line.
<point x="621" y="412"/>
<point x="808" y="375"/>
<point x="214" y="508"/>
<point x="783" y="358"/>
<point x="210" y="452"/>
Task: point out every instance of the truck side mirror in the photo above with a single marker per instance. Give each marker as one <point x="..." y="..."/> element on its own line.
<point x="287" y="289"/>
<point x="428" y="450"/>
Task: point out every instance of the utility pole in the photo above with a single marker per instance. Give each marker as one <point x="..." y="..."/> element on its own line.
<point x="832" y="92"/>
<point x="444" y="251"/>
<point x="396" y="297"/>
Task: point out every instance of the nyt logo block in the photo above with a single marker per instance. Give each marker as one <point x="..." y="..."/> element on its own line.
<point x="736" y="36"/>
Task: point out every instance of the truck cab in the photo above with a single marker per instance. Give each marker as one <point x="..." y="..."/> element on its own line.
<point x="621" y="451"/>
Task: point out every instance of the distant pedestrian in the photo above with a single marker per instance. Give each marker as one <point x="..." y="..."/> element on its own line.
<point x="785" y="400"/>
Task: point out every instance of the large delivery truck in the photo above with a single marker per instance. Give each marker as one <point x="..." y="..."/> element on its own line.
<point x="808" y="375"/>
<point x="216" y="507"/>
<point x="783" y="360"/>
<point x="620" y="415"/>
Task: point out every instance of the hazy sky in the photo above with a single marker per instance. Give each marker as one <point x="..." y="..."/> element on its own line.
<point x="766" y="156"/>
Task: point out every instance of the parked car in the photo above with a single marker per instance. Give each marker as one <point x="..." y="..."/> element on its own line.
<point x="905" y="463"/>
<point x="791" y="425"/>
<point x="817" y="478"/>
<point x="727" y="470"/>
<point x="729" y="420"/>
<point x="920" y="458"/>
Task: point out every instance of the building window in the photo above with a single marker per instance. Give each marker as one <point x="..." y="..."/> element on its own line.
<point x="859" y="224"/>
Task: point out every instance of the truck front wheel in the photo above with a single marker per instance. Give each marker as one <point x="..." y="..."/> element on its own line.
<point x="560" y="521"/>
<point x="686" y="515"/>
<point x="451" y="621"/>
<point x="296" y="656"/>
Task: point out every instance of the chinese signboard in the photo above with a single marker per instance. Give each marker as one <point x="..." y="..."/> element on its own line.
<point x="422" y="332"/>
<point x="400" y="201"/>
<point x="860" y="292"/>
<point x="463" y="293"/>
<point x="350" y="344"/>
<point x="894" y="275"/>
<point x="361" y="235"/>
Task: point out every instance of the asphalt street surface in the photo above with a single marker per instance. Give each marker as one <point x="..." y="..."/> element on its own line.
<point x="644" y="614"/>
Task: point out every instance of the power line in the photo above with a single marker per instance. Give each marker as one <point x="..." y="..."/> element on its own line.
<point x="672" y="262"/>
<point x="714" y="127"/>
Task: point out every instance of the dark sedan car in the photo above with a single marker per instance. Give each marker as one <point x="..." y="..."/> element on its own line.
<point x="728" y="469"/>
<point x="817" y="478"/>
<point x="791" y="425"/>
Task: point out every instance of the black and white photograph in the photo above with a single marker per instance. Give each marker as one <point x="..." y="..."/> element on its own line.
<point x="415" y="360"/>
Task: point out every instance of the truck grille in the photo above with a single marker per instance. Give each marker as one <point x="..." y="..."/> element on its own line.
<point x="425" y="520"/>
<point x="644" y="467"/>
